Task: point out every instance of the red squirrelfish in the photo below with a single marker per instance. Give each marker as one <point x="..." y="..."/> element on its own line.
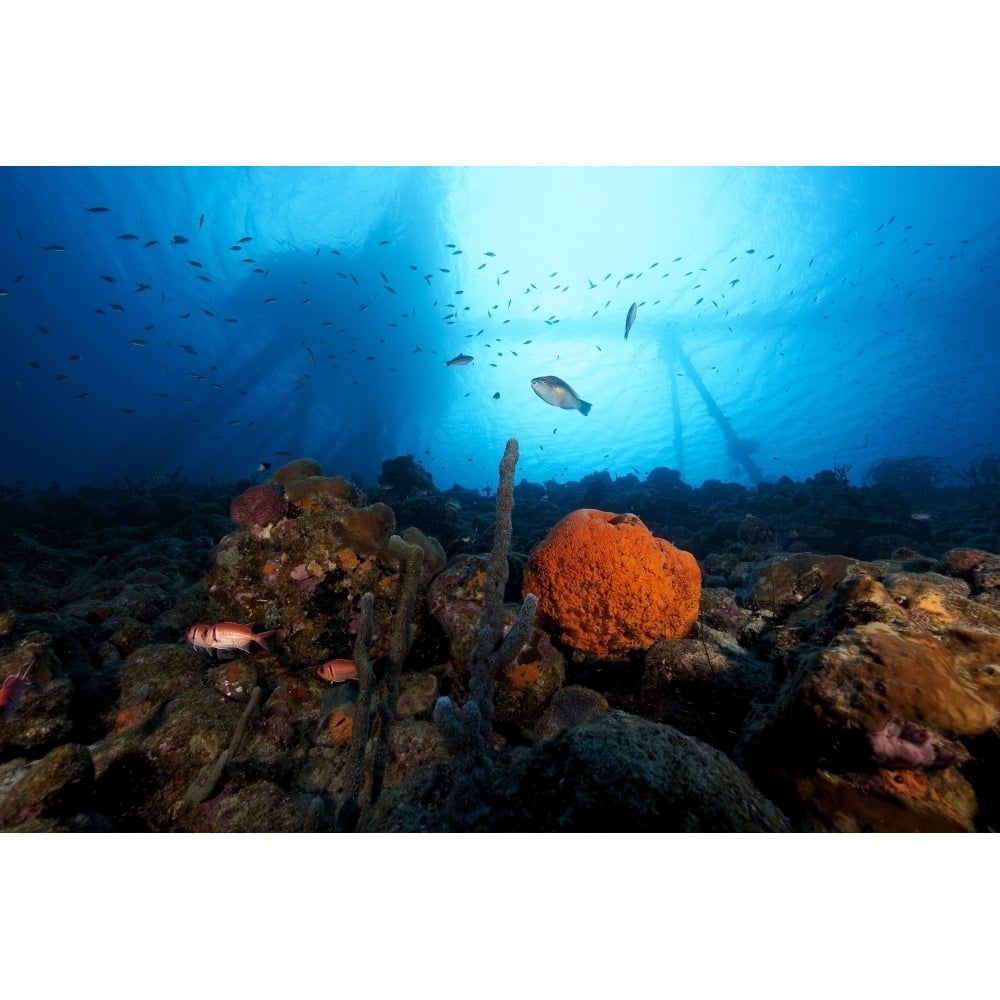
<point x="336" y="671"/>
<point x="226" y="635"/>
<point x="10" y="693"/>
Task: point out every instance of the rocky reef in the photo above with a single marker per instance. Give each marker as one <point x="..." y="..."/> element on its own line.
<point x="817" y="657"/>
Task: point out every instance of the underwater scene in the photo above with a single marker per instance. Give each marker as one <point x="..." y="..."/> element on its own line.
<point x="513" y="499"/>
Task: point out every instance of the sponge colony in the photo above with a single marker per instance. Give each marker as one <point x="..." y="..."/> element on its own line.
<point x="606" y="585"/>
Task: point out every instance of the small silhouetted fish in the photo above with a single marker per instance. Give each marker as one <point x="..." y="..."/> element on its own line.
<point x="208" y="312"/>
<point x="264" y="466"/>
<point x="270" y="300"/>
<point x="282" y="453"/>
<point x="188" y="348"/>
<point x="496" y="395"/>
<point x="229" y="319"/>
<point x="245" y="239"/>
<point x="630" y="318"/>
<point x="556" y="392"/>
<point x="201" y="220"/>
<point x="34" y="364"/>
<point x="196" y="263"/>
<point x="99" y="310"/>
<point x="141" y="286"/>
<point x="117" y="308"/>
<point x="107" y="278"/>
<point x="97" y="208"/>
<point x="179" y="239"/>
<point x="459" y="359"/>
<point x="150" y="243"/>
<point x="127" y="236"/>
<point x="138" y="343"/>
<point x="75" y="357"/>
<point x="55" y="248"/>
<point x="43" y="329"/>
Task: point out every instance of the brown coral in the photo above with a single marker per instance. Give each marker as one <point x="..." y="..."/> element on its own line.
<point x="258" y="506"/>
<point x="609" y="586"/>
<point x="298" y="468"/>
<point x="320" y="492"/>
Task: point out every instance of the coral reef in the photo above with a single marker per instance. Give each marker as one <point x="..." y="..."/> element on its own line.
<point x="404" y="477"/>
<point x="607" y="586"/>
<point x="846" y="659"/>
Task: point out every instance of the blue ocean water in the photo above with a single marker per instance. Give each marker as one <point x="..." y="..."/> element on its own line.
<point x="196" y="322"/>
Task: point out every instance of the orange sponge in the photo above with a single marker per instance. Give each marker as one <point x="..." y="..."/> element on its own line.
<point x="609" y="586"/>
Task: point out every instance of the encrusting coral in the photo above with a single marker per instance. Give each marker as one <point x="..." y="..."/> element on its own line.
<point x="258" y="506"/>
<point x="607" y="586"/>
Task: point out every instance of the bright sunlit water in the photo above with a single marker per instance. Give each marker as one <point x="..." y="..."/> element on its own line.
<point x="832" y="316"/>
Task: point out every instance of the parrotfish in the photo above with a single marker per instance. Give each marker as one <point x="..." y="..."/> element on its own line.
<point x="556" y="392"/>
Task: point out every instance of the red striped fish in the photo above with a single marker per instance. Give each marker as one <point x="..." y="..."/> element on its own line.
<point x="336" y="671"/>
<point x="226" y="635"/>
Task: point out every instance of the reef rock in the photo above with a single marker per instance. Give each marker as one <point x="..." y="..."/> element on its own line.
<point x="614" y="773"/>
<point x="606" y="585"/>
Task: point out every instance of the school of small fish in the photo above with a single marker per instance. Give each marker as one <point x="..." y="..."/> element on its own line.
<point x="375" y="317"/>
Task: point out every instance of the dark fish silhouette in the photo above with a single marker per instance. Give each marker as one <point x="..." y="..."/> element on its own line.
<point x="55" y="248"/>
<point x="97" y="208"/>
<point x="179" y="239"/>
<point x="630" y="318"/>
<point x="459" y="359"/>
<point x="127" y="236"/>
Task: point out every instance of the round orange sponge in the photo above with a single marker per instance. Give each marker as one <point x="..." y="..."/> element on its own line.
<point x="609" y="586"/>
